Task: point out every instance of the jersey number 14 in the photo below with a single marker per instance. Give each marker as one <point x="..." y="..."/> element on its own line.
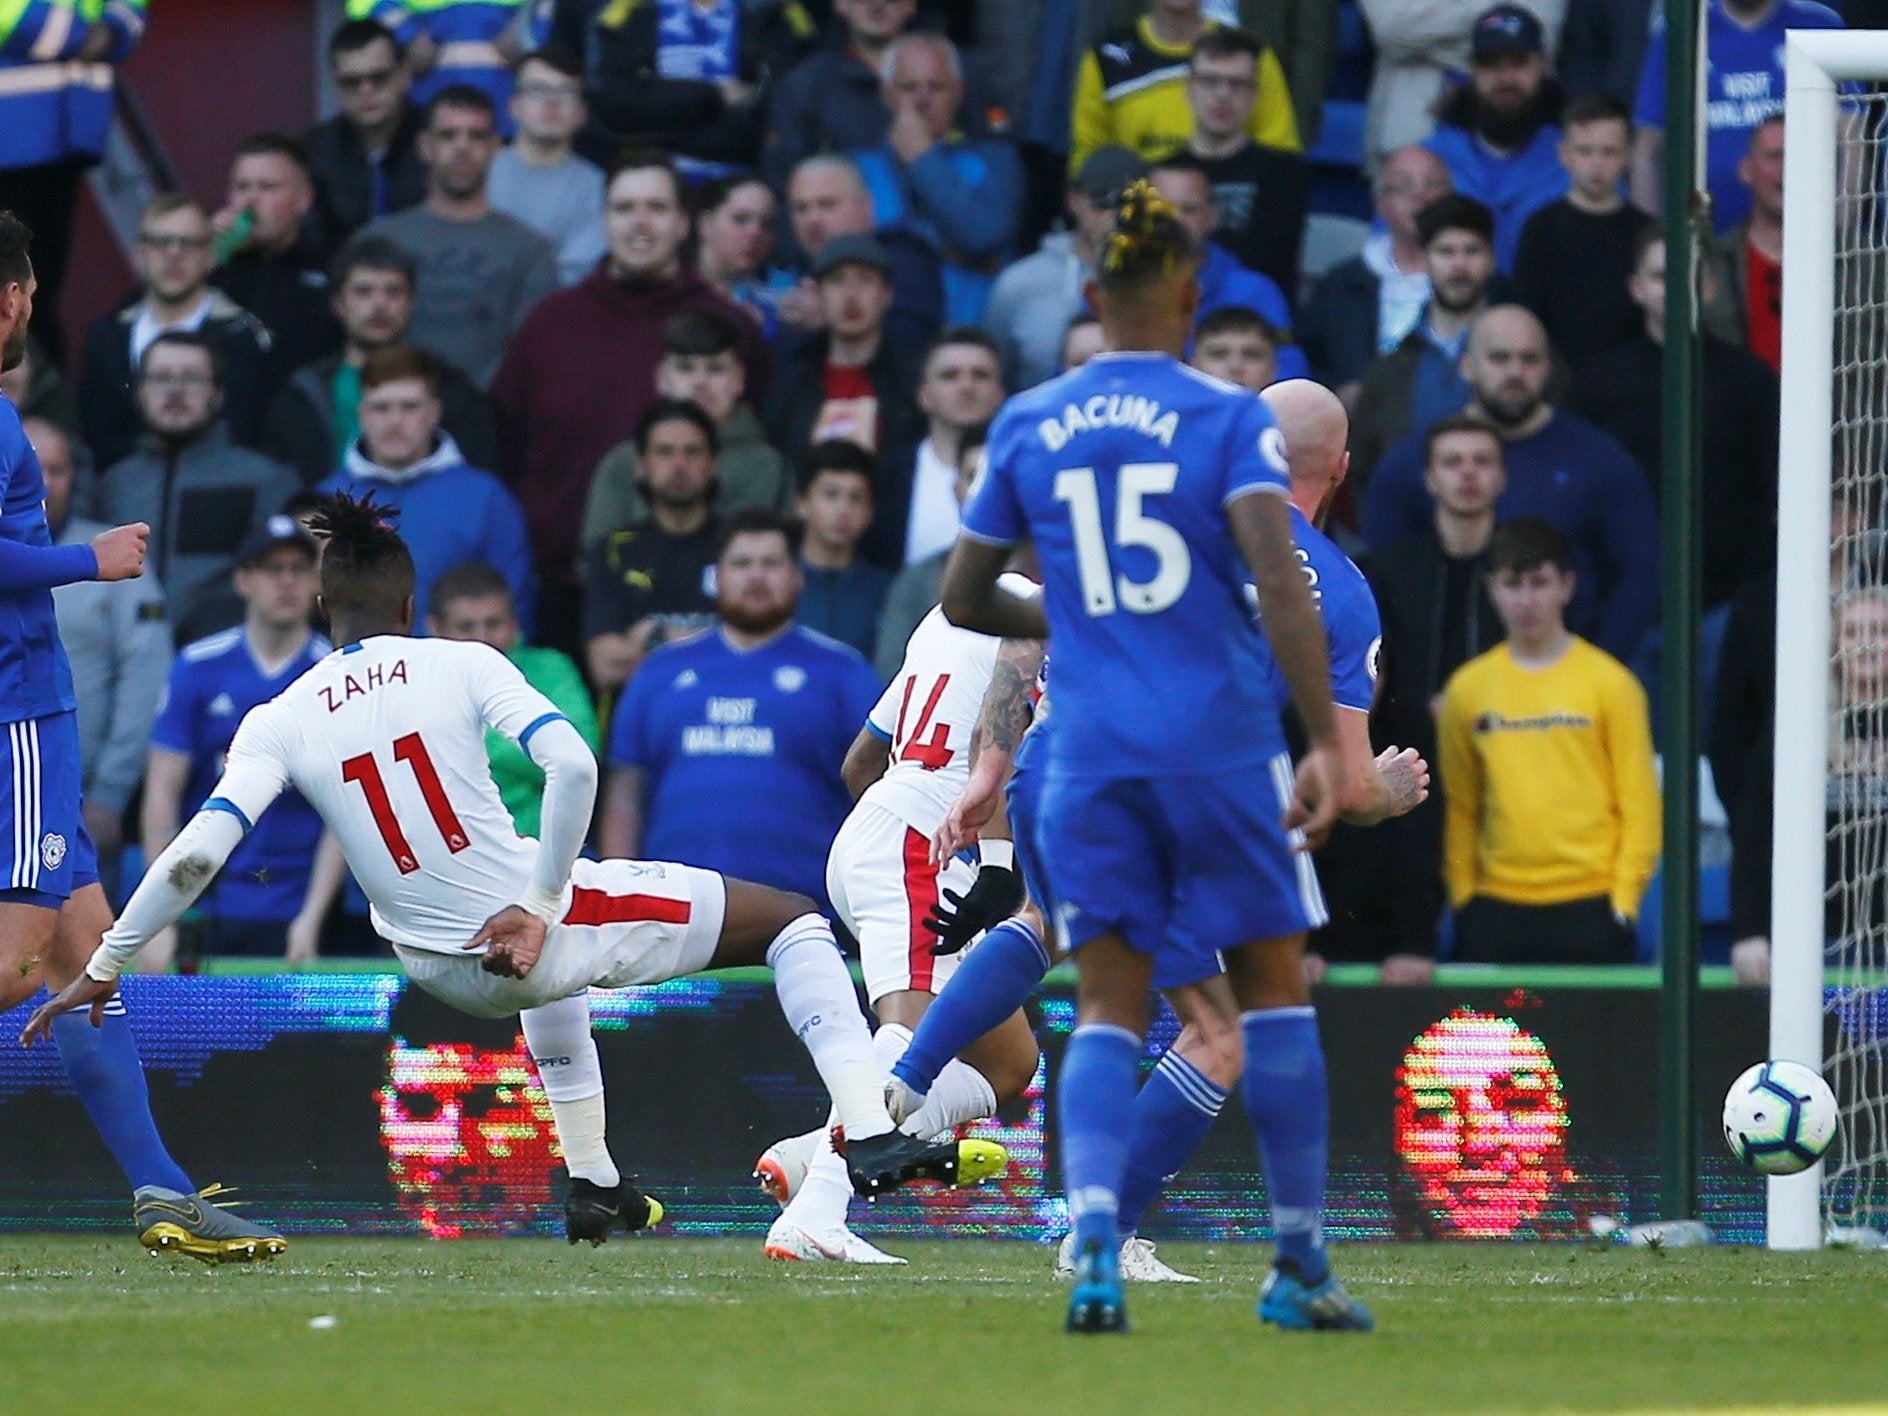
<point x="364" y="772"/>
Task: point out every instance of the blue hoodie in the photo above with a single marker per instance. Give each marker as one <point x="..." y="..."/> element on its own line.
<point x="1223" y="282"/>
<point x="449" y="514"/>
<point x="1513" y="187"/>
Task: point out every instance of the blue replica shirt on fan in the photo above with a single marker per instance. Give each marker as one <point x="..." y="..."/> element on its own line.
<point x="35" y="680"/>
<point x="741" y="750"/>
<point x="1743" y="86"/>
<point x="213" y="683"/>
<point x="1353" y="630"/>
<point x="1120" y="473"/>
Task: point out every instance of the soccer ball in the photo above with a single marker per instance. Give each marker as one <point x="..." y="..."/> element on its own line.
<point x="1779" y="1117"/>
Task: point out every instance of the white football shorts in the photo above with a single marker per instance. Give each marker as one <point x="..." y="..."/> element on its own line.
<point x="882" y="884"/>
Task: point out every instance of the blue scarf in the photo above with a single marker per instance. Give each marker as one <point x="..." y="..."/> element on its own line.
<point x="692" y="44"/>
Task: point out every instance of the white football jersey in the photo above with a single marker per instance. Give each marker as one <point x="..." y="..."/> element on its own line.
<point x="928" y="712"/>
<point x="386" y="738"/>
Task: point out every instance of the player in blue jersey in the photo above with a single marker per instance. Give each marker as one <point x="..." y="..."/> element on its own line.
<point x="1151" y="492"/>
<point x="52" y="910"/>
<point x="1179" y="1101"/>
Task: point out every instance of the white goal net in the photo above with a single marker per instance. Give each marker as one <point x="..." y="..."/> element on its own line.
<point x="1829" y="1001"/>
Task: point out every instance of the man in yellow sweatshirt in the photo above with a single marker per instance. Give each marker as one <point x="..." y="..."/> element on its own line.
<point x="1552" y="812"/>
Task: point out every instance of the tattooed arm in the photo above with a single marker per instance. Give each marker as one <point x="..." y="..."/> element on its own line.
<point x="1006" y="713"/>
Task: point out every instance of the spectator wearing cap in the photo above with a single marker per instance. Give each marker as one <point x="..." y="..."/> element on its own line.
<point x="473" y="602"/>
<point x="580" y="372"/>
<point x="694" y="80"/>
<point x="1130" y="88"/>
<point x="276" y="271"/>
<point x="1223" y="281"/>
<point x="269" y="899"/>
<point x="1500" y="134"/>
<point x="481" y="271"/>
<point x="1421" y="379"/>
<point x="1363" y="307"/>
<point x="539" y="179"/>
<point x="1260" y="196"/>
<point x="852" y="382"/>
<point x="830" y="101"/>
<point x="1034" y="300"/>
<point x="198" y="492"/>
<point x="1743" y="88"/>
<point x="118" y="643"/>
<point x="365" y="160"/>
<point x="1423" y="47"/>
<point x="828" y="198"/>
<point x="701" y="364"/>
<point x="315" y="418"/>
<point x="962" y="194"/>
<point x="1576" y="254"/>
<point x="450" y="513"/>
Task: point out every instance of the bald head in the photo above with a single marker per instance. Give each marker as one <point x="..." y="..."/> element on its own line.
<point x="1506" y="364"/>
<point x="1316" y="429"/>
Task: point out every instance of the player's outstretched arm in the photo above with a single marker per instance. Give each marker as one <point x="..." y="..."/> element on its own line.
<point x="1001" y="721"/>
<point x="117" y="554"/>
<point x="973" y="599"/>
<point x="179" y="874"/>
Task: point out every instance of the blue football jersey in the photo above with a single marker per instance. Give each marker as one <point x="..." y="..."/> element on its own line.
<point x="1120" y="473"/>
<point x="35" y="679"/>
<point x="213" y="683"/>
<point x="1353" y="630"/>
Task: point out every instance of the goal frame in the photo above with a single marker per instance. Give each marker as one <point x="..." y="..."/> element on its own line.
<point x="1816" y="62"/>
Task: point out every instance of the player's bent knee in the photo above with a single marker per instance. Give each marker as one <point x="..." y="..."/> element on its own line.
<point x="1217" y="1052"/>
<point x="754" y="917"/>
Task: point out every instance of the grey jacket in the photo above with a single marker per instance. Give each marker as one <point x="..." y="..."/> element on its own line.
<point x="1031" y="306"/>
<point x="200" y="500"/>
<point x="118" y="642"/>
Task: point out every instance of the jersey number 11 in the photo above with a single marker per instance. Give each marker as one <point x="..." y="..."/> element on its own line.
<point x="365" y="772"/>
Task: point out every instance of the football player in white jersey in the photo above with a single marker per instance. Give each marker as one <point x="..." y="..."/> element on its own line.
<point x="386" y="738"/>
<point x="909" y="914"/>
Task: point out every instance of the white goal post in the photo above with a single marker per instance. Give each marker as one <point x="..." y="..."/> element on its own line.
<point x="1833" y="454"/>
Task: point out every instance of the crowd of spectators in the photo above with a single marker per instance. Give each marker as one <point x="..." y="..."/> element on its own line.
<point x="671" y="329"/>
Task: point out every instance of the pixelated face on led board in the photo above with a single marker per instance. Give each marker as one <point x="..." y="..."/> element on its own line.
<point x="470" y="1143"/>
<point x="1481" y="1125"/>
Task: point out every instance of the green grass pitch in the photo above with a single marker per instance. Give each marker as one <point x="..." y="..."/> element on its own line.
<point x="520" y="1326"/>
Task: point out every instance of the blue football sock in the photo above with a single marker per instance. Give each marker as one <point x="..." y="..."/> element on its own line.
<point x="1094" y="1100"/>
<point x="1172" y="1115"/>
<point x="1289" y="1102"/>
<point x="992" y="982"/>
<point x="105" y="1071"/>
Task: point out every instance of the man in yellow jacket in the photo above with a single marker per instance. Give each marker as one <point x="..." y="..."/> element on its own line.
<point x="1131" y="89"/>
<point x="1552" y="800"/>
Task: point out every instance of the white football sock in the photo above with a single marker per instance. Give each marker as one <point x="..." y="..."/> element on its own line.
<point x="959" y="1095"/>
<point x="825" y="1194"/>
<point x="890" y="1042"/>
<point x="558" y="1036"/>
<point x="822" y="1008"/>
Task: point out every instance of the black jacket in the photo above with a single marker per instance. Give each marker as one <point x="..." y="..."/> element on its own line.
<point x="289" y="294"/>
<point x="108" y="405"/>
<point x="631" y="99"/>
<point x="1338" y="328"/>
<point x="344" y="177"/>
<point x="799" y="391"/>
<point x="298" y="430"/>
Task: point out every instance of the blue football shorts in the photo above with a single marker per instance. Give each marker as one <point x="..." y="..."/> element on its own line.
<point x="47" y="855"/>
<point x="1024" y="804"/>
<point x="1181" y="867"/>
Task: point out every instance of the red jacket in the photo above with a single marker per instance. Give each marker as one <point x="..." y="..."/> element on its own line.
<point x="577" y="375"/>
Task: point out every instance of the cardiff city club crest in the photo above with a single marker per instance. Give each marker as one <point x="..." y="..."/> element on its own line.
<point x="52" y="850"/>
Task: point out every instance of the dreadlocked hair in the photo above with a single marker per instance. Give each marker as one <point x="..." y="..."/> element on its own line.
<point x="366" y="569"/>
<point x="1147" y="241"/>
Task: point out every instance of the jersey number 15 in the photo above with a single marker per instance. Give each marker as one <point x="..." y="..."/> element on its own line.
<point x="1103" y="591"/>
